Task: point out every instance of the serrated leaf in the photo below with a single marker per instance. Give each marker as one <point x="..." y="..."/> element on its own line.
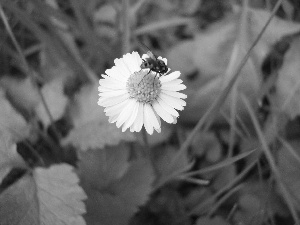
<point x="55" y="99"/>
<point x="60" y="196"/>
<point x="18" y="203"/>
<point x="92" y="129"/>
<point x="118" y="202"/>
<point x="288" y="83"/>
<point x="48" y="196"/>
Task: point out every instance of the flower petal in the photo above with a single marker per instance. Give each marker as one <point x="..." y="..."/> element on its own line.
<point x="169" y="77"/>
<point x="105" y="89"/>
<point x="132" y="117"/>
<point x="113" y="119"/>
<point x="158" y="129"/>
<point x="114" y="79"/>
<point x="126" y="112"/>
<point x="175" y="120"/>
<point x="122" y="67"/>
<point x="145" y="56"/>
<point x="176" y="103"/>
<point x="133" y="61"/>
<point x="178" y="87"/>
<point x="167" y="117"/>
<point x="163" y="59"/>
<point x="115" y="109"/>
<point x="106" y="85"/>
<point x="175" y="94"/>
<point x="110" y="80"/>
<point x="172" y="82"/>
<point x="117" y="74"/>
<point x="167" y="107"/>
<point x="138" y="123"/>
<point x="128" y="63"/>
<point x="113" y="93"/>
<point x="149" y="119"/>
<point x="110" y="101"/>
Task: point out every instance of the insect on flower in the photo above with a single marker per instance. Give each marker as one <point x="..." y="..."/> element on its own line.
<point x="154" y="64"/>
<point x="134" y="97"/>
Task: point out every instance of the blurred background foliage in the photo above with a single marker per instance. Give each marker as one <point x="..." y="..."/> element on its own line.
<point x="233" y="157"/>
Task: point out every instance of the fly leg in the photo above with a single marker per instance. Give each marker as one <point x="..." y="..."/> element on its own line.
<point x="144" y="76"/>
<point x="156" y="74"/>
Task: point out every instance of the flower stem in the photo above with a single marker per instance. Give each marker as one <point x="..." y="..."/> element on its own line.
<point x="145" y="139"/>
<point x="148" y="153"/>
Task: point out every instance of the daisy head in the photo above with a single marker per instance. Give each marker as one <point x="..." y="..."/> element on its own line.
<point x="134" y="97"/>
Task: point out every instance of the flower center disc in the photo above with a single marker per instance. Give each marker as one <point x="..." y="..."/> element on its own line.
<point x="143" y="86"/>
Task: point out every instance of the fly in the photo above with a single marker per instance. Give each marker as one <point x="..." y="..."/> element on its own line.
<point x="154" y="64"/>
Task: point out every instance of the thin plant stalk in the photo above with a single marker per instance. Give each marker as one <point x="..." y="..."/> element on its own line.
<point x="207" y="118"/>
<point x="271" y="160"/>
<point x="25" y="64"/>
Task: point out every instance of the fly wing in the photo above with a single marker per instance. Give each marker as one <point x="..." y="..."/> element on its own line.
<point x="149" y="52"/>
<point x="151" y="55"/>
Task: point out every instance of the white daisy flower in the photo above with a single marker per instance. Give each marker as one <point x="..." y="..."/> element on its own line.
<point x="133" y="97"/>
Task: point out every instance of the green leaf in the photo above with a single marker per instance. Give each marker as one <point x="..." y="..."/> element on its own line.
<point x="289" y="166"/>
<point x="162" y="163"/>
<point x="11" y="121"/>
<point x="99" y="168"/>
<point x="18" y="204"/>
<point x="21" y="92"/>
<point x="118" y="202"/>
<point x="96" y="135"/>
<point x="255" y="199"/>
<point x="9" y="158"/>
<point x="55" y="99"/>
<point x="92" y="129"/>
<point x="224" y="177"/>
<point x="209" y="61"/>
<point x="135" y="185"/>
<point x="48" y="196"/>
<point x="288" y="83"/>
